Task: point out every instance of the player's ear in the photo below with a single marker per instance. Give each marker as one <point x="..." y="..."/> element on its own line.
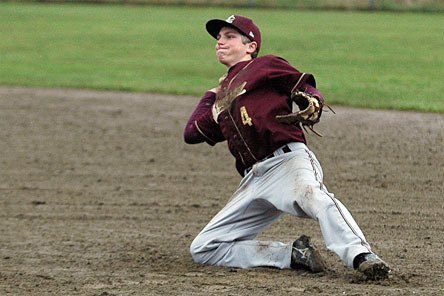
<point x="252" y="47"/>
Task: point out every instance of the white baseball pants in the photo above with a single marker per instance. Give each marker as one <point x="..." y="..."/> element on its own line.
<point x="288" y="183"/>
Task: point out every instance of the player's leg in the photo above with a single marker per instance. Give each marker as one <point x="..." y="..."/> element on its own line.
<point x="229" y="238"/>
<point x="307" y="193"/>
<point x="343" y="235"/>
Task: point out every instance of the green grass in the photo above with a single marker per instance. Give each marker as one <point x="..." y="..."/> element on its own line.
<point x="362" y="59"/>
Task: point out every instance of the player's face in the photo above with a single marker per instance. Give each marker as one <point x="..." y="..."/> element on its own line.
<point x="230" y="49"/>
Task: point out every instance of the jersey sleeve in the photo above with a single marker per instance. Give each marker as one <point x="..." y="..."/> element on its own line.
<point x="201" y="126"/>
<point x="288" y="79"/>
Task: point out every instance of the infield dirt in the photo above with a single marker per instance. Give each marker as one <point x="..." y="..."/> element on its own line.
<point x="99" y="195"/>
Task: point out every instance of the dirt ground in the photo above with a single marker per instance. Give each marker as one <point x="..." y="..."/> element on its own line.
<point x="99" y="195"/>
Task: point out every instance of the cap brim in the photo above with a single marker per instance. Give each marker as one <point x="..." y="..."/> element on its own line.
<point x="213" y="27"/>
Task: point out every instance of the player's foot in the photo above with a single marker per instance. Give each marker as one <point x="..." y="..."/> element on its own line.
<point x="304" y="255"/>
<point x="371" y="266"/>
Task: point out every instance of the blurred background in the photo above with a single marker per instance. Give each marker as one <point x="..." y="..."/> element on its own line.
<point x="373" y="53"/>
<point x="397" y="5"/>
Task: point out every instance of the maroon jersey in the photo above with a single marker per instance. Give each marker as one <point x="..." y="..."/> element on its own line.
<point x="251" y="96"/>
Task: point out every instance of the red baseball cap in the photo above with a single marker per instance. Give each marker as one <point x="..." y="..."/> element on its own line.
<point x="241" y="23"/>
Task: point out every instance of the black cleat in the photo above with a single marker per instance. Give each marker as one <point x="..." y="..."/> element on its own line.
<point x="304" y="255"/>
<point x="373" y="267"/>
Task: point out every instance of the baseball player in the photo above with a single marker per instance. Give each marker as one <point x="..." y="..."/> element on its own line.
<point x="260" y="107"/>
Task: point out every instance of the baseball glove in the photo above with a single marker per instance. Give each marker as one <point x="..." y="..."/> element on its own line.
<point x="306" y="111"/>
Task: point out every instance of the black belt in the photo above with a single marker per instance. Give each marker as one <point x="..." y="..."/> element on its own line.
<point x="285" y="149"/>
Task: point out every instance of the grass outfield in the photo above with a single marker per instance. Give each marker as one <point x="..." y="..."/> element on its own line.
<point x="362" y="59"/>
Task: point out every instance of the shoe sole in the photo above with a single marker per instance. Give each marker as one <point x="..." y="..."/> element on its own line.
<point x="313" y="260"/>
<point x="316" y="262"/>
<point x="375" y="270"/>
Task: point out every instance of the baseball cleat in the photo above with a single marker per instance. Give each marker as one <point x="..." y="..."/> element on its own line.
<point x="372" y="266"/>
<point x="304" y="255"/>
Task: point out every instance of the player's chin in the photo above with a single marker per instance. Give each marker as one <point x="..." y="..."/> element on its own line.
<point x="223" y="60"/>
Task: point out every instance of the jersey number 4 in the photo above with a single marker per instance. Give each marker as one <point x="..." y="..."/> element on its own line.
<point x="246" y="119"/>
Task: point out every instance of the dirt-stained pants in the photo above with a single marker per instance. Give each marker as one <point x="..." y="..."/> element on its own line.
<point x="286" y="183"/>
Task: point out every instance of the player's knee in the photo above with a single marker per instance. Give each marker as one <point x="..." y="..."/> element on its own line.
<point x="313" y="199"/>
<point x="203" y="251"/>
<point x="196" y="251"/>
